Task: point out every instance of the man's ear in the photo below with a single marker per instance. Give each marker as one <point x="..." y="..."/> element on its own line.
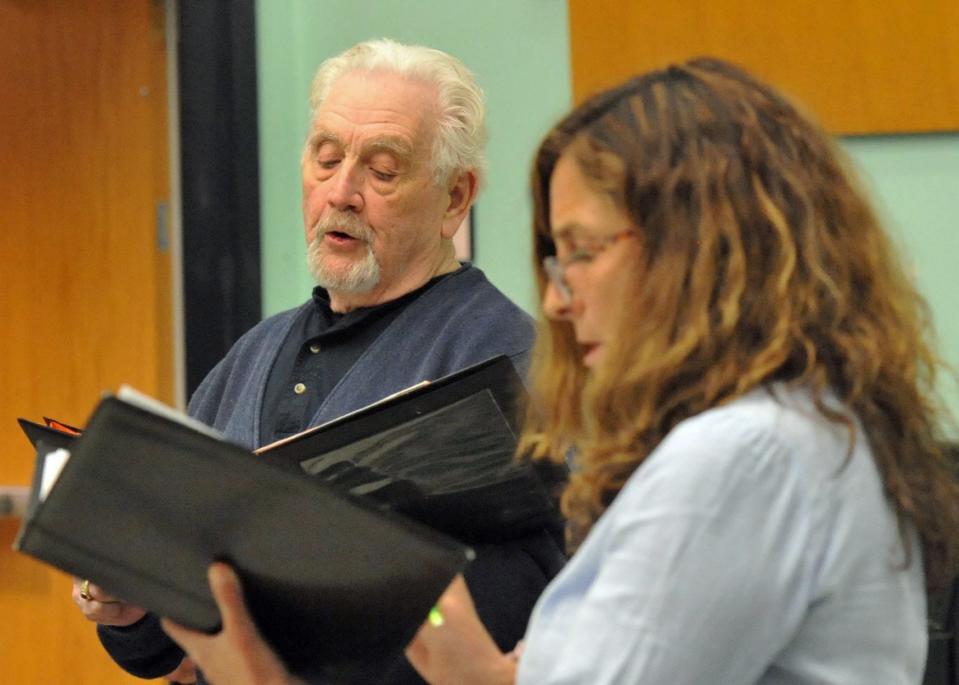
<point x="462" y="192"/>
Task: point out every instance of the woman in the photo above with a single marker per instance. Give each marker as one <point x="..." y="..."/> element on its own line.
<point x="739" y="366"/>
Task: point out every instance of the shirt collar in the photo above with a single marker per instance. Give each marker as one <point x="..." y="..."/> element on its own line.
<point x="337" y="322"/>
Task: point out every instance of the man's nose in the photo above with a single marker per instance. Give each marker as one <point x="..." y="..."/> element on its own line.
<point x="345" y="191"/>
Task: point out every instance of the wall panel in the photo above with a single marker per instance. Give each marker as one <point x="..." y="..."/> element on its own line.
<point x="862" y="66"/>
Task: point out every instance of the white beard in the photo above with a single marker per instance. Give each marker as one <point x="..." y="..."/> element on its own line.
<point x="363" y="275"/>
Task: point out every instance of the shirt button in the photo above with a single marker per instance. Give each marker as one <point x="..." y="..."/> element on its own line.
<point x="299" y="388"/>
<point x="314" y="348"/>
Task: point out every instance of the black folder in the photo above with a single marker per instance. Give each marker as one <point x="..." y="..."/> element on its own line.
<point x="144" y="504"/>
<point x="441" y="453"/>
<point x="37" y="432"/>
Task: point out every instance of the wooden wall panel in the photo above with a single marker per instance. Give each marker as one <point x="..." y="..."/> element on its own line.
<point x="862" y="66"/>
<point x="85" y="297"/>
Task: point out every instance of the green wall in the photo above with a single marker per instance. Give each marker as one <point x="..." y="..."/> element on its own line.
<point x="914" y="182"/>
<point x="519" y="52"/>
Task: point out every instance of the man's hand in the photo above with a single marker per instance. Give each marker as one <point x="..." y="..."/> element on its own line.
<point x="237" y="655"/>
<point x="100" y="607"/>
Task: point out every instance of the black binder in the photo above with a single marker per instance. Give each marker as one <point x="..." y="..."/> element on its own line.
<point x="342" y="535"/>
<point x="37" y="432"/>
<point x="144" y="504"/>
<point x="441" y="453"/>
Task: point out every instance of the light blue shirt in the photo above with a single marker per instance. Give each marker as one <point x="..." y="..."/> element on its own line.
<point x="742" y="551"/>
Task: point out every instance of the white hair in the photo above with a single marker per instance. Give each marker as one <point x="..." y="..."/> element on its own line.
<point x="461" y="126"/>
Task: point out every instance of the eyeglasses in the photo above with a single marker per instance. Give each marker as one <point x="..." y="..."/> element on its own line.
<point x="586" y="251"/>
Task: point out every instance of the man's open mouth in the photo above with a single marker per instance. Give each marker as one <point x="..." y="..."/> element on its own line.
<point x="340" y="236"/>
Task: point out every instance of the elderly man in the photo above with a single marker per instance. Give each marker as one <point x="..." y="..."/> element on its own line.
<point x="391" y="166"/>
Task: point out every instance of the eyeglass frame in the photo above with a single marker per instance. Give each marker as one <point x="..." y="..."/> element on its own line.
<point x="556" y="269"/>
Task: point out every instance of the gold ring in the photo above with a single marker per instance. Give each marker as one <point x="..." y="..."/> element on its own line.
<point x="85" y="590"/>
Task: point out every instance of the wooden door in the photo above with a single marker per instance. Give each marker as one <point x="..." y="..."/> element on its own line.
<point x="85" y="301"/>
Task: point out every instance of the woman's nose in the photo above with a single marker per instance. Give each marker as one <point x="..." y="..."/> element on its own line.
<point x="555" y="304"/>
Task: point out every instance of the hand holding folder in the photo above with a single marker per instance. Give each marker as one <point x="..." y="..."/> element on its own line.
<point x="144" y="504"/>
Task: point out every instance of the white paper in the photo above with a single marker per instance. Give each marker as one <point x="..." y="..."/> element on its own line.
<point x="53" y="464"/>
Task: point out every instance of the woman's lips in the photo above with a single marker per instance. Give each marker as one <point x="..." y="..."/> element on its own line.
<point x="591" y="353"/>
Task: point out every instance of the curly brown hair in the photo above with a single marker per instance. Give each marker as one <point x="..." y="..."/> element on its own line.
<point x="763" y="263"/>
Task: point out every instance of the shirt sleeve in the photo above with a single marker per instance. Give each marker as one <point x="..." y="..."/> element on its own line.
<point x="705" y="566"/>
<point x="142" y="649"/>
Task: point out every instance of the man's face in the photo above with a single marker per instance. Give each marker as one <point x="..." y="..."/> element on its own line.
<point x="373" y="213"/>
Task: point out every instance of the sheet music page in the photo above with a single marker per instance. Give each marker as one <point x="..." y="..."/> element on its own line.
<point x="53" y="465"/>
